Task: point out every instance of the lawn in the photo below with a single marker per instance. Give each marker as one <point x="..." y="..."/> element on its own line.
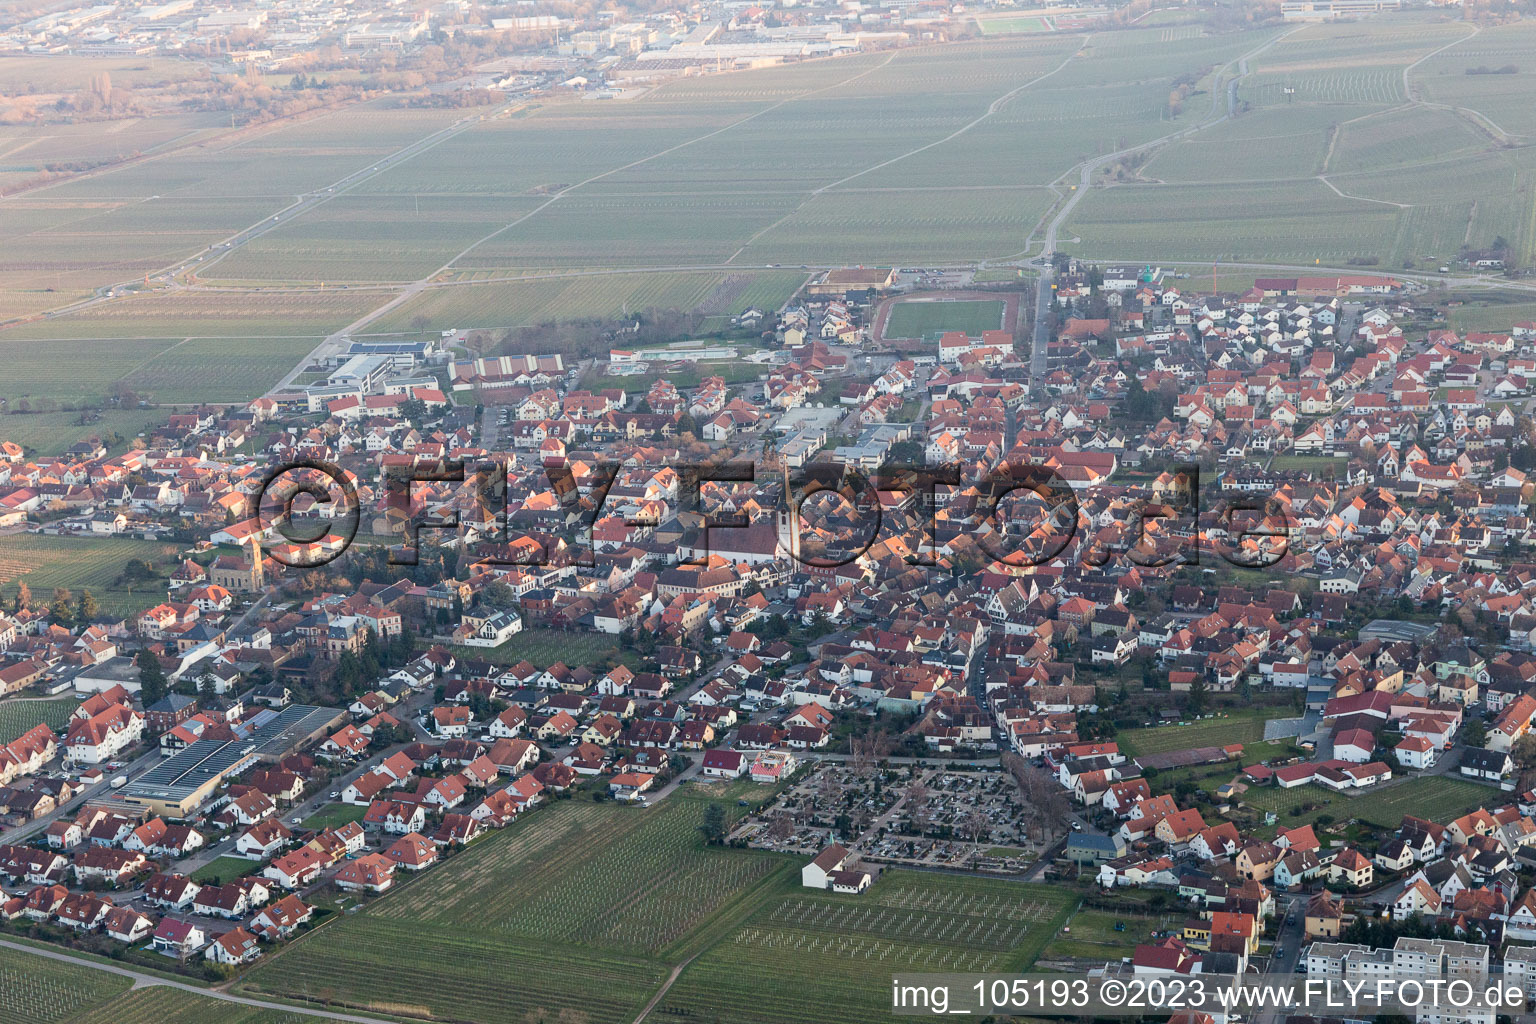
<point x="543" y="647"/>
<point x="17" y="715"/>
<point x="334" y="815"/>
<point x="1093" y="935"/>
<point x="227" y="869"/>
<point x="929" y="319"/>
<point x="1320" y="466"/>
<point x="35" y="990"/>
<point x="81" y="563"/>
<point x="1235" y="727"/>
<point x="1438" y="798"/>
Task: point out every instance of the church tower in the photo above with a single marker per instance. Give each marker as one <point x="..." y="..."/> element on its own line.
<point x="787" y="521"/>
<point x="257" y="581"/>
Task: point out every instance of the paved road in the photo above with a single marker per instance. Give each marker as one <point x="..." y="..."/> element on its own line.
<point x="142" y="980"/>
<point x="20" y="833"/>
<point x="1290" y="936"/>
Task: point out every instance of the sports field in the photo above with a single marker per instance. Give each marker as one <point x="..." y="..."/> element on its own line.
<point x="928" y="319"/>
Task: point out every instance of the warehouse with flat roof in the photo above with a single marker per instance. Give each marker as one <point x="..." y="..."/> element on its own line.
<point x="183" y="782"/>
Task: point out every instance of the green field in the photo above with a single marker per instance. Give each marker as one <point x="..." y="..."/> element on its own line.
<point x="1234" y="727"/>
<point x="159" y="1004"/>
<point x="1005" y="26"/>
<point x="227" y="869"/>
<point x="927" y="319"/>
<point x="17" y="715"/>
<point x="35" y="990"/>
<point x="1405" y="184"/>
<point x="1093" y="935"/>
<point x="620" y="896"/>
<point x="493" y="304"/>
<point x="1478" y="315"/>
<point x="577" y="890"/>
<point x="543" y="647"/>
<point x="688" y="197"/>
<point x="1438" y="798"/>
<point x="830" y="958"/>
<point x="51" y="433"/>
<point x="81" y="563"/>
<point x="335" y="815"/>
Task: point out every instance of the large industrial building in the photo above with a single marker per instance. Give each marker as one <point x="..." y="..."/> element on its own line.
<point x="185" y="781"/>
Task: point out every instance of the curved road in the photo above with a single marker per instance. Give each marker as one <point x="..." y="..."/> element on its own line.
<point x="1088" y="168"/>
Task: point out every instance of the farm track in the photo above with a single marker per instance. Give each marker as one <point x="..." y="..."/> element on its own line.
<point x="415" y="288"/>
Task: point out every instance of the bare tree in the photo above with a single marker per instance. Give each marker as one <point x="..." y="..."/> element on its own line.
<point x="781" y="828"/>
<point x="975" y="824"/>
<point x="918" y="811"/>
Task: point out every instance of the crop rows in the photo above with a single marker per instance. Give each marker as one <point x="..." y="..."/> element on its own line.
<point x="17" y="716"/>
<point x="515" y="303"/>
<point x="643" y="884"/>
<point x="159" y="1004"/>
<point x="219" y="369"/>
<point x="894" y="922"/>
<point x="827" y="959"/>
<point x="409" y="969"/>
<point x="38" y="991"/>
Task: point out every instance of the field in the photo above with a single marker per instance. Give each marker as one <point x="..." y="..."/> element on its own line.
<point x="689" y="196"/>
<point x="543" y="647"/>
<point x="1406" y="183"/>
<point x="226" y="869"/>
<point x="495" y="303"/>
<point x="335" y="815"/>
<point x="34" y="990"/>
<point x="829" y="958"/>
<point x="1237" y="727"/>
<point x="1093" y="935"/>
<point x="51" y="433"/>
<point x="619" y="896"/>
<point x="159" y="1004"/>
<point x="577" y="890"/>
<point x="1004" y="26"/>
<point x="17" y="715"/>
<point x="1438" y="798"/>
<point x="928" y="319"/>
<point x="80" y="563"/>
<point x="1477" y="315"/>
